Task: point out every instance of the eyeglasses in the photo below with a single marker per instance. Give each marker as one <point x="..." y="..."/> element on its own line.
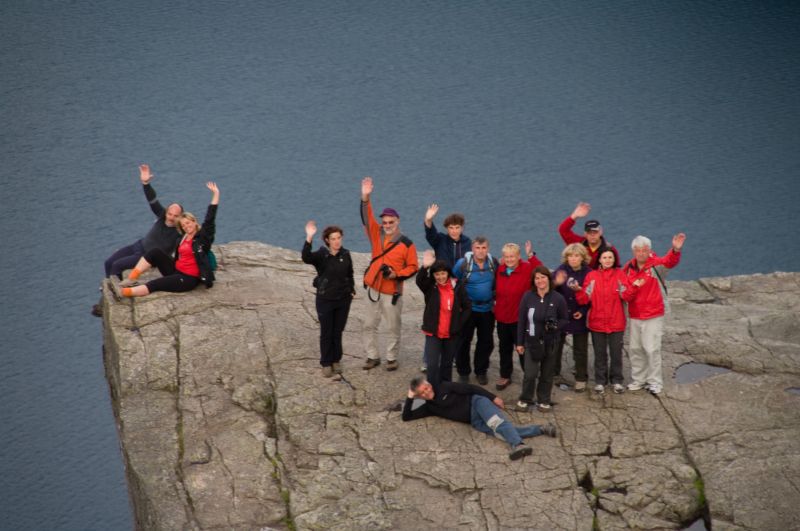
<point x="389" y="222"/>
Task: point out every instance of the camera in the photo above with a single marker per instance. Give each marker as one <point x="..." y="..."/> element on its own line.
<point x="550" y="325"/>
<point x="386" y="271"/>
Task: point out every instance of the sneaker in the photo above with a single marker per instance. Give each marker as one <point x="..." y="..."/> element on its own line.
<point x="634" y="386"/>
<point x="502" y="383"/>
<point x="128" y="283"/>
<point x="392" y="365"/>
<point x="97" y="310"/>
<point x="463" y="378"/>
<point x="519" y="451"/>
<point x="619" y="389"/>
<point x="423" y="369"/>
<point x="521" y="406"/>
<point x="544" y="408"/>
<point x="336" y="377"/>
<point x="482" y="379"/>
<point x="549" y="429"/>
<point x="580" y="387"/>
<point x="371" y="364"/>
<point x="327" y="371"/>
<point x="337" y="367"/>
<point x="654" y="389"/>
<point x="599" y="389"/>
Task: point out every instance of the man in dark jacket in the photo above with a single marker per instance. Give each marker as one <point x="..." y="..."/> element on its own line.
<point x="473" y="405"/>
<point x="592" y="238"/>
<point x="449" y="247"/>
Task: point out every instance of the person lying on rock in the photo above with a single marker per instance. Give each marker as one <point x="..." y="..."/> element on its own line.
<point x="191" y="264"/>
<point x="474" y="405"/>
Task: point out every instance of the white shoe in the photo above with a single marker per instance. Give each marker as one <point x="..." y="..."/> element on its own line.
<point x="655" y="389"/>
<point x="619" y="389"/>
<point x="633" y="386"/>
<point x="599" y="389"/>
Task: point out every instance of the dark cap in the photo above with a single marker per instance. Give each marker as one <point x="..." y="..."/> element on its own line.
<point x="389" y="212"/>
<point x="591" y="225"/>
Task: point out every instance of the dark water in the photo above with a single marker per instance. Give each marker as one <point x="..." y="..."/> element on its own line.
<point x="666" y="116"/>
<point x="694" y="372"/>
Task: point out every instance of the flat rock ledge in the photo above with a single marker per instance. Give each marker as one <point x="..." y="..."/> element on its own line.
<point x="226" y="422"/>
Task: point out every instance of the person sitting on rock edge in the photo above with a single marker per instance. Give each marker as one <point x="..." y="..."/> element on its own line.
<point x="474" y="405"/>
<point x="190" y="265"/>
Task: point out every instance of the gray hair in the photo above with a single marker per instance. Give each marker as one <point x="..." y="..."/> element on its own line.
<point x="641" y="242"/>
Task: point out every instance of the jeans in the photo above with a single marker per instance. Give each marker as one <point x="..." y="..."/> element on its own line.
<point x="487" y="418"/>
<point x="124" y="258"/>
<point x="483" y="322"/>
<point x="540" y="369"/>
<point x="440" y="354"/>
<point x="332" y="316"/>
<point x="507" y="339"/>
<point x="606" y="345"/>
<point x="580" y="355"/>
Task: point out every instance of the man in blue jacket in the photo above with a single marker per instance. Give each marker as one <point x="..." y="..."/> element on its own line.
<point x="451" y="246"/>
<point x="477" y="270"/>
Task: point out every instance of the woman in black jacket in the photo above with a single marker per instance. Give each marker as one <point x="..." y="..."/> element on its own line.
<point x="335" y="290"/>
<point x="447" y="308"/>
<point x="190" y="265"/>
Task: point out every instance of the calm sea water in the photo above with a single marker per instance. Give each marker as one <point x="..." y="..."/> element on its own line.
<point x="666" y="116"/>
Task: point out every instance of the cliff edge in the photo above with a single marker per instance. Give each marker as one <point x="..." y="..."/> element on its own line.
<point x="226" y="422"/>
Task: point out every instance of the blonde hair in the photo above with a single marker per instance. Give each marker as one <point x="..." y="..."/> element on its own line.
<point x="511" y="247"/>
<point x="575" y="248"/>
<point x="189" y="216"/>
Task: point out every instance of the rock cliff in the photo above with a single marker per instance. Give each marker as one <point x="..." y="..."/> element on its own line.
<point x="226" y="423"/>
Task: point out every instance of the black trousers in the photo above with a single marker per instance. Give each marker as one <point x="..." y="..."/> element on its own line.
<point x="539" y="362"/>
<point x="440" y="354"/>
<point x="171" y="279"/>
<point x="483" y="323"/>
<point x="332" y="316"/>
<point x="605" y="346"/>
<point x="507" y="339"/>
<point x="580" y="355"/>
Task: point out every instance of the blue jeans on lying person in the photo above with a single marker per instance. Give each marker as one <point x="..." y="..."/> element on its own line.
<point x="490" y="419"/>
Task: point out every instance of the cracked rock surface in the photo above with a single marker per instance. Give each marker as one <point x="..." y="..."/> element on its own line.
<point x="226" y="422"/>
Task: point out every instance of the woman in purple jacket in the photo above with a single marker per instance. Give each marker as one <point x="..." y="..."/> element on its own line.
<point x="568" y="279"/>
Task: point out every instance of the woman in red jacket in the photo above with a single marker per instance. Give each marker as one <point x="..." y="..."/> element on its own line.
<point x="605" y="288"/>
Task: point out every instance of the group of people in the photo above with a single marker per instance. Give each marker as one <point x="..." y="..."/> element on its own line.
<point x="467" y="293"/>
<point x="176" y="244"/>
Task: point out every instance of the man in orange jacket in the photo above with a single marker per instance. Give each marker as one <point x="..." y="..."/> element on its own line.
<point x="394" y="259"/>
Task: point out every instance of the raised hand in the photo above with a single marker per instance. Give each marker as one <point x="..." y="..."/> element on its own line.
<point x="428" y="258"/>
<point x="311" y="229"/>
<point x="528" y="249"/>
<point x="144" y="173"/>
<point x="560" y="278"/>
<point x="677" y="241"/>
<point x="214" y="192"/>
<point x="431" y="212"/>
<point x="581" y="210"/>
<point x="366" y="188"/>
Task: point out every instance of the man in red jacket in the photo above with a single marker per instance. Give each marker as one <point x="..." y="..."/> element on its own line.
<point x="394" y="259"/>
<point x="646" y="311"/>
<point x="592" y="237"/>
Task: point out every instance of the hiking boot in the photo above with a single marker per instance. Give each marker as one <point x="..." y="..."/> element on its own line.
<point x="502" y="383"/>
<point x="549" y="429"/>
<point x="522" y="406"/>
<point x="619" y="388"/>
<point x="392" y="365"/>
<point x="599" y="389"/>
<point x="327" y="371"/>
<point x="97" y="310"/>
<point x="337" y="367"/>
<point x="634" y="386"/>
<point x="580" y="387"/>
<point x="544" y="408"/>
<point x="463" y="378"/>
<point x="482" y="379"/>
<point x="519" y="451"/>
<point x="371" y="364"/>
